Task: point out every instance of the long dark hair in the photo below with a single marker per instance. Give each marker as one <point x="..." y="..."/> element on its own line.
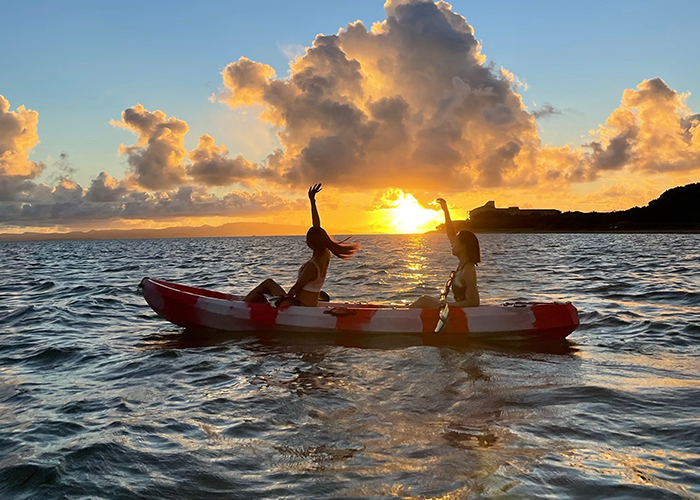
<point x="318" y="239"/>
<point x="470" y="241"/>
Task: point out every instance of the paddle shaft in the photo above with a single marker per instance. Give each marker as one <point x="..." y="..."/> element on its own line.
<point x="444" y="315"/>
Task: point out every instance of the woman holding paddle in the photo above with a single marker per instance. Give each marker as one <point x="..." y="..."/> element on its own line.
<point x="462" y="281"/>
<point x="312" y="273"/>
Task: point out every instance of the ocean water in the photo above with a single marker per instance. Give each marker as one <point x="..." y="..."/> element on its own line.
<point x="100" y="398"/>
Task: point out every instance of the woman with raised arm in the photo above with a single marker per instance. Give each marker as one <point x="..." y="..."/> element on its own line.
<point x="465" y="246"/>
<point x="312" y="273"/>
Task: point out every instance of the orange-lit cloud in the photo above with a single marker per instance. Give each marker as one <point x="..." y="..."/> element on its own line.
<point x="18" y="135"/>
<point x="409" y="103"/>
<point x="652" y="131"/>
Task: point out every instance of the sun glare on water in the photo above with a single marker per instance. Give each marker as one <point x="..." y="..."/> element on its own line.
<point x="404" y="215"/>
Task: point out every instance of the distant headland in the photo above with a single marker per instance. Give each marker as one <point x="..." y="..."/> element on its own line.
<point x="676" y="210"/>
<point x="231" y="229"/>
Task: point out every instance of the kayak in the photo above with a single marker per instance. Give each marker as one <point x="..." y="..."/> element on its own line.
<point x="192" y="307"/>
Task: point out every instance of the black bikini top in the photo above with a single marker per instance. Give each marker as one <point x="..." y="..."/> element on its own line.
<point x="459" y="289"/>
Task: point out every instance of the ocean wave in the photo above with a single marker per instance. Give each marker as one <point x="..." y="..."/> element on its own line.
<point x="27" y="480"/>
<point x="17" y="316"/>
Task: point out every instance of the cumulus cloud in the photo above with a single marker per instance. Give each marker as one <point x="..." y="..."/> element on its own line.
<point x="211" y="165"/>
<point x="105" y="188"/>
<point x="156" y="160"/>
<point x="412" y="103"/>
<point x="408" y="103"/>
<point x="159" y="159"/>
<point x="652" y="131"/>
<point x="18" y="135"/>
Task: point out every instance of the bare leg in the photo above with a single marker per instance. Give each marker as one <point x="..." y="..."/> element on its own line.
<point x="269" y="286"/>
<point x="425" y="302"/>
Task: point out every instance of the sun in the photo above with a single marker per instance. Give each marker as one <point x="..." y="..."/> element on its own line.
<point x="404" y="215"/>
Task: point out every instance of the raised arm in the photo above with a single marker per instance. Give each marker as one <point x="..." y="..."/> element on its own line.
<point x="315" y="219"/>
<point x="448" y="221"/>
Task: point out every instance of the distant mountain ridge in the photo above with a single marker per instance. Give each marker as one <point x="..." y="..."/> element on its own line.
<point x="231" y="229"/>
<point x="677" y="209"/>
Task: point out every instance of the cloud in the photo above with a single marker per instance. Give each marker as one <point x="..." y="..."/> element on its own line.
<point x="163" y="180"/>
<point x="408" y="103"/>
<point x="245" y="82"/>
<point x="156" y="160"/>
<point x="545" y="111"/>
<point x="105" y="188"/>
<point x="211" y="166"/>
<point x="18" y="135"/>
<point x="159" y="159"/>
<point x="652" y="131"/>
<point x="107" y="199"/>
<point x="411" y="103"/>
<point x="292" y="51"/>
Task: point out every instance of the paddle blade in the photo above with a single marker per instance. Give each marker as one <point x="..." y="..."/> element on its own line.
<point x="443" y="318"/>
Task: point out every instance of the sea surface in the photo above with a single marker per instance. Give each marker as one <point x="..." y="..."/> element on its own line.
<point x="102" y="399"/>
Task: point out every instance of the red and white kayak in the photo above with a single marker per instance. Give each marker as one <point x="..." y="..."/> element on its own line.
<point x="196" y="307"/>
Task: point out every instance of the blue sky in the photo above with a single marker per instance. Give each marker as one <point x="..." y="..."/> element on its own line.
<point x="80" y="63"/>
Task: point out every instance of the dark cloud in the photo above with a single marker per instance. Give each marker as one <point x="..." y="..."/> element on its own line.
<point x="157" y="159"/>
<point x="616" y="154"/>
<point x="546" y="111"/>
<point x="211" y="165"/>
<point x="69" y="203"/>
<point x="690" y="125"/>
<point x="494" y="168"/>
<point x="105" y="188"/>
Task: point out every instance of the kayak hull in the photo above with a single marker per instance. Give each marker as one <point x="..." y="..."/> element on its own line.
<point x="192" y="307"/>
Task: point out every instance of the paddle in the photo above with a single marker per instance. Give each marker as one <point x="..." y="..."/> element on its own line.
<point x="444" y="315"/>
<point x="273" y="300"/>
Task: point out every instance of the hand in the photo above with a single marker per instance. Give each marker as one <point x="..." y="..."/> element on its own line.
<point x="282" y="300"/>
<point x="442" y="203"/>
<point x="313" y="190"/>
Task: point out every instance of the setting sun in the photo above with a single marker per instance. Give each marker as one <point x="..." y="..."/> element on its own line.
<point x="403" y="214"/>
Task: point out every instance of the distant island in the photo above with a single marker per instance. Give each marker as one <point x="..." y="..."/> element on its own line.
<point x="676" y="210"/>
<point x="231" y="229"/>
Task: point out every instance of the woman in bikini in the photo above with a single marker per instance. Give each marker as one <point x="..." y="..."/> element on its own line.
<point x="465" y="246"/>
<point x="312" y="273"/>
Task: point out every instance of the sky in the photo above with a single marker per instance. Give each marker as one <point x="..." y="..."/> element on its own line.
<point x="157" y="114"/>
